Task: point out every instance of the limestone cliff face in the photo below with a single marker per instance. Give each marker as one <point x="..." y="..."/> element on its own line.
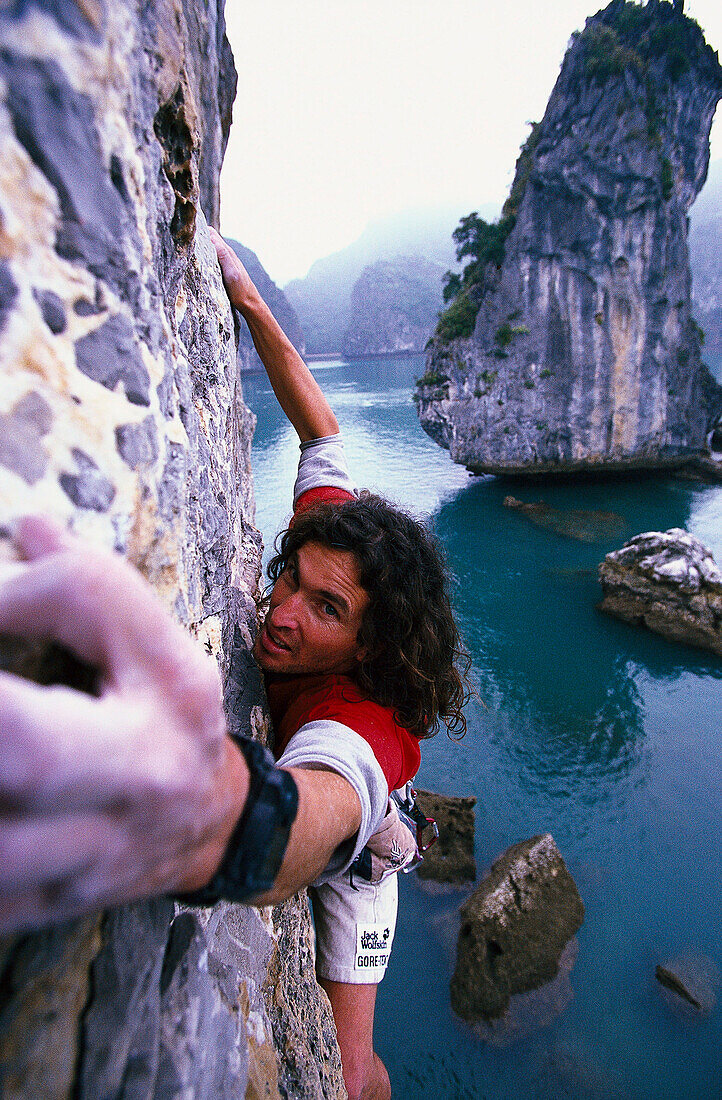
<point x="121" y="413"/>
<point x="584" y="355"/>
<point x="394" y="307"/>
<point x="276" y="301"/>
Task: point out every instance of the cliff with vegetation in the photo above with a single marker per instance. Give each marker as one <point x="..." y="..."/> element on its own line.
<point x="394" y="307"/>
<point x="122" y="415"/>
<point x="569" y="343"/>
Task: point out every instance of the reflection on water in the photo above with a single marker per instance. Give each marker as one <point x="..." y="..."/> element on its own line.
<point x="603" y="733"/>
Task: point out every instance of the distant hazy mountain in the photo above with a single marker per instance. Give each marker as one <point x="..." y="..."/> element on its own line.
<point x="276" y="301"/>
<point x="322" y="299"/>
<point x="394" y="306"/>
<point x="706" y="258"/>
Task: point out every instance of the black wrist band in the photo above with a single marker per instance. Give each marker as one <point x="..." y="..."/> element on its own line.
<point x="255" y="851"/>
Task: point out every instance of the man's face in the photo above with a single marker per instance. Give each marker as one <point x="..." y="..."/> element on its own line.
<point x="314" y="615"/>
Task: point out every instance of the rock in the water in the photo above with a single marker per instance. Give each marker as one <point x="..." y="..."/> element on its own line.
<point x="451" y="858"/>
<point x="693" y="978"/>
<point x="572" y="346"/>
<point x="669" y="582"/>
<point x="529" y="1012"/>
<point x="583" y="524"/>
<point x="514" y="928"/>
<point x="394" y="307"/>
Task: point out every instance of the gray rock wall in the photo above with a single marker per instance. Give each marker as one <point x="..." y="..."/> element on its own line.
<point x="121" y="414"/>
<point x="585" y="355"/>
<point x="394" y="307"/>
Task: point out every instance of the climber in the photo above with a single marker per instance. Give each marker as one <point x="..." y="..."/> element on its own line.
<point x="358" y="649"/>
<point x="137" y="789"/>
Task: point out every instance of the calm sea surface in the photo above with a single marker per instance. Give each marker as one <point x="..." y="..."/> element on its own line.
<point x="603" y="734"/>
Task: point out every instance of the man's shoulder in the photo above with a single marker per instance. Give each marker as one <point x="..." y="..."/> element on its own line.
<point x="300" y="699"/>
<point x="334" y="698"/>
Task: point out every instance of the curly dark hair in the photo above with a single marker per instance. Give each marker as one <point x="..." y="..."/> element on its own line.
<point x="416" y="663"/>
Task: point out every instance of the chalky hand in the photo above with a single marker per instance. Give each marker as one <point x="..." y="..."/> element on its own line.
<point x="107" y="798"/>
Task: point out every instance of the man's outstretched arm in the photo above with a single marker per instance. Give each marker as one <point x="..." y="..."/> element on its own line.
<point x="135" y="792"/>
<point x="298" y="392"/>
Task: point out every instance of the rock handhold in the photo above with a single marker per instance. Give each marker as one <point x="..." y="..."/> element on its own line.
<point x="693" y="978"/>
<point x="669" y="582"/>
<point x="514" y="929"/>
<point x="451" y="859"/>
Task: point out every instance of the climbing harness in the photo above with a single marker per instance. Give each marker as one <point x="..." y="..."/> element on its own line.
<point x="400" y="841"/>
<point x="410" y="813"/>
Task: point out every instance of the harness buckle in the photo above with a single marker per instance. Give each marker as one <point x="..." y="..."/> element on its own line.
<point x="428" y="823"/>
<point x="420" y="821"/>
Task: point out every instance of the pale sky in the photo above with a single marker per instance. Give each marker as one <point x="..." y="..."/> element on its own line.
<point x="349" y="110"/>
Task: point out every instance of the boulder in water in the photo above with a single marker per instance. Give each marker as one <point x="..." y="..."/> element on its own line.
<point x="692" y="979"/>
<point x="583" y="524"/>
<point x="529" y="1012"/>
<point x="451" y="859"/>
<point x="514" y="929"/>
<point x="669" y="582"/>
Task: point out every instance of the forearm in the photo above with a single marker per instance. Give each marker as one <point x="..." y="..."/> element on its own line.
<point x="297" y="391"/>
<point x="328" y="813"/>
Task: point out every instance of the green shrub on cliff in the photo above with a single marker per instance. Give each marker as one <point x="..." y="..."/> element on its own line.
<point x="483" y="244"/>
<point x="630" y="37"/>
<point x="458" y="320"/>
<point x="522" y="172"/>
<point x="606" y="56"/>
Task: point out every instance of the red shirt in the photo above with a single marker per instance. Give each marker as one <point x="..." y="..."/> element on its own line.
<point x="296" y="700"/>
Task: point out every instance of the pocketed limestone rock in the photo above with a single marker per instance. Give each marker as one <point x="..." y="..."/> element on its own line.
<point x="451" y="858"/>
<point x="514" y="929"/>
<point x="122" y="417"/>
<point x="45" y="986"/>
<point x="669" y="582"/>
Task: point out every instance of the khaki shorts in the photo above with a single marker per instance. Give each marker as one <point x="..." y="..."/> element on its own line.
<point x="354" y="928"/>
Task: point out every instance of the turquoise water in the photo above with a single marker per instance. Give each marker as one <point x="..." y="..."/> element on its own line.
<point x="601" y="733"/>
